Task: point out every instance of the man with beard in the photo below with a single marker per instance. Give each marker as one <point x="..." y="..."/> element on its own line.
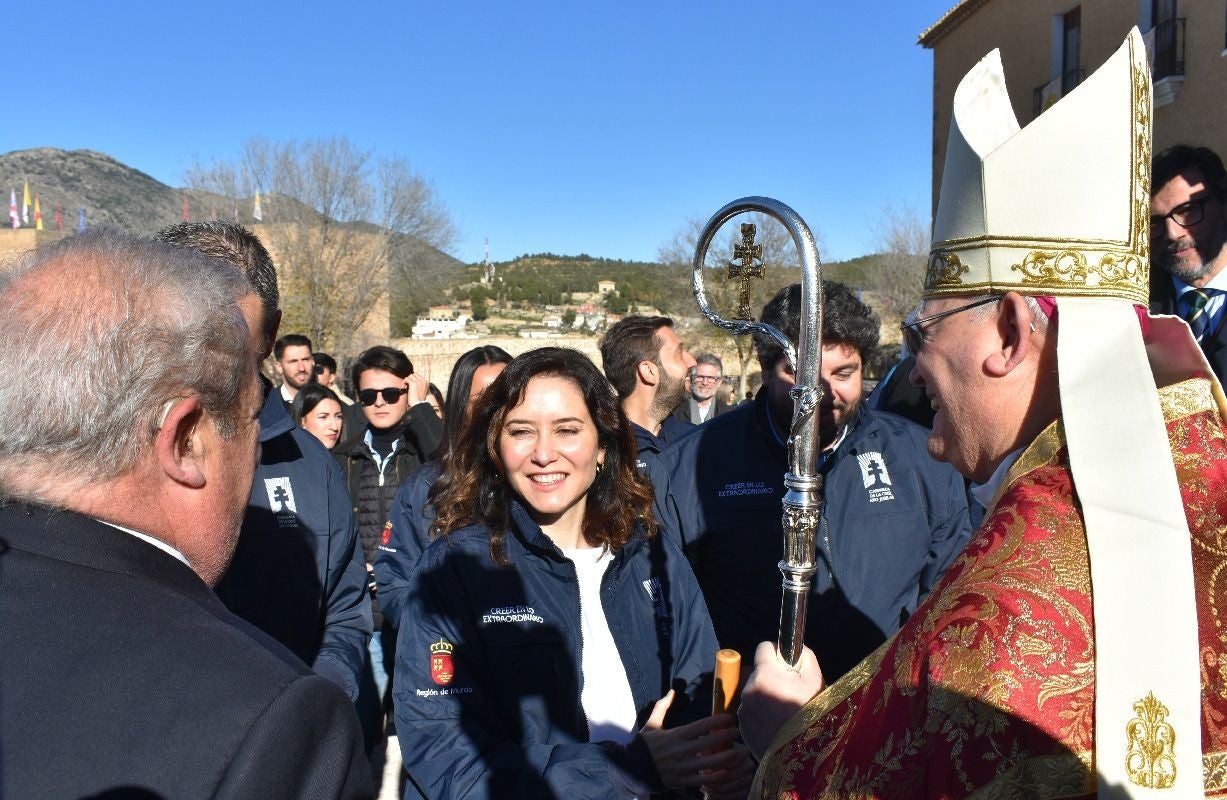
<point x="707" y="392"/>
<point x="893" y="521"/>
<point x="648" y="365"/>
<point x="294" y="364"/>
<point x="1188" y="245"/>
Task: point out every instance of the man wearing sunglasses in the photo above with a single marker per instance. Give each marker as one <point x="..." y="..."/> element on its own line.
<point x="402" y="432"/>
<point x="1188" y="245"/>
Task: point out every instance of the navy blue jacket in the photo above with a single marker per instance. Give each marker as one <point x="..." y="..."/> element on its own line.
<point x="499" y="715"/>
<point x="893" y="521"/>
<point x="298" y="573"/>
<point x="405" y="538"/>
<point x="648" y="446"/>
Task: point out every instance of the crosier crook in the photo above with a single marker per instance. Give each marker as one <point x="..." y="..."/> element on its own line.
<point x="802" y="483"/>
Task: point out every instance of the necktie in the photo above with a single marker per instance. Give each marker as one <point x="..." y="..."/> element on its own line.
<point x="1197" y="316"/>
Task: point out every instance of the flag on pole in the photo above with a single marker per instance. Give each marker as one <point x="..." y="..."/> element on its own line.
<point x="25" y="203"/>
<point x="13" y="215"/>
<point x="38" y="215"/>
<point x="81" y="220"/>
<point x="187" y="212"/>
<point x="59" y="218"/>
<point x="258" y="212"/>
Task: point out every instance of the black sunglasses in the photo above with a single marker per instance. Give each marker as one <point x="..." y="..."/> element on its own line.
<point x="390" y="395"/>
<point x="913" y="336"/>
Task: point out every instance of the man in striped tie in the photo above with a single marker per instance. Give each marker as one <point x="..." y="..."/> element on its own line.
<point x="1188" y="245"/>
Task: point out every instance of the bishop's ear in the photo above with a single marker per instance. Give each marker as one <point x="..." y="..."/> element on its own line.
<point x="1016" y="336"/>
<point x="178" y="444"/>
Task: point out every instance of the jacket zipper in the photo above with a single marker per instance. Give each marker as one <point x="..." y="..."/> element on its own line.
<point x="579" y="605"/>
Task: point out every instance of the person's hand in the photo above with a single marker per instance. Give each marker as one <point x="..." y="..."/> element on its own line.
<point x="774" y="693"/>
<point x="734" y="782"/>
<point x="694" y="754"/>
<point x="418" y="386"/>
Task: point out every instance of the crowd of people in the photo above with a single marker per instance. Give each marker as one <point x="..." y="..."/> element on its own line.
<point x="214" y="585"/>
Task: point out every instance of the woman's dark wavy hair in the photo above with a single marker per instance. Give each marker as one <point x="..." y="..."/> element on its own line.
<point x="308" y="398"/>
<point x="474" y="489"/>
<point x="461" y="383"/>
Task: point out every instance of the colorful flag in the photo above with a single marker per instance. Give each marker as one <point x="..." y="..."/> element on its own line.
<point x="38" y="215"/>
<point x="59" y="218"/>
<point x="257" y="212"/>
<point x="81" y="220"/>
<point x="13" y="215"/>
<point x="187" y="211"/>
<point x="25" y="204"/>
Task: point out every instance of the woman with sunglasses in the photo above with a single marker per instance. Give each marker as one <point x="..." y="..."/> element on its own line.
<point x="400" y="435"/>
<point x="550" y="626"/>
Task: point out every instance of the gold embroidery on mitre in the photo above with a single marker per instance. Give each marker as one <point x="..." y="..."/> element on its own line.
<point x="1120" y="273"/>
<point x="945" y="269"/>
<point x="1151" y="760"/>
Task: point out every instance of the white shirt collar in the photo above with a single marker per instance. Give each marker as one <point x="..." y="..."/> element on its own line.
<point x="983" y="493"/>
<point x="285" y="395"/>
<point x="158" y="543"/>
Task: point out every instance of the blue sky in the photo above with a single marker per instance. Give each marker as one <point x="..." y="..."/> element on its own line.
<point x="568" y="127"/>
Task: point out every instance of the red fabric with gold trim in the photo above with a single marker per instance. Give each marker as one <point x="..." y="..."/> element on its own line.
<point x="990" y="684"/>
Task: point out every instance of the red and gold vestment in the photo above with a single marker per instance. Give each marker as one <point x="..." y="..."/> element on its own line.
<point x="989" y="689"/>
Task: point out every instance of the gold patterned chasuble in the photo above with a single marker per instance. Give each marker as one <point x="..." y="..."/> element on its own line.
<point x="988" y="690"/>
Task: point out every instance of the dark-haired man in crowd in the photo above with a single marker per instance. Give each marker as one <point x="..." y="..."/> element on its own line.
<point x="648" y="365"/>
<point x="326" y="375"/>
<point x="294" y="363"/>
<point x="123" y="675"/>
<point x="893" y="519"/>
<point x="1188" y="245"/>
<point x="706" y="399"/>
<point x="297" y="573"/>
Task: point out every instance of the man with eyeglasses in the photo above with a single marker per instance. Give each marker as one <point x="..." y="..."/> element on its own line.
<point x="706" y="399"/>
<point x="1188" y="245"/>
<point x="1074" y="648"/>
<point x="893" y="520"/>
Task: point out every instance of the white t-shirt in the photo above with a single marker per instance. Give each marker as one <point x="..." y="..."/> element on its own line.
<point x="606" y="697"/>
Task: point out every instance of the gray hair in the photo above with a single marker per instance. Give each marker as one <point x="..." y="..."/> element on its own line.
<point x="711" y="360"/>
<point x="105" y="329"/>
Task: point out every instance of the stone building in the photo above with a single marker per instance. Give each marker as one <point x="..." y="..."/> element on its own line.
<point x="1049" y="46"/>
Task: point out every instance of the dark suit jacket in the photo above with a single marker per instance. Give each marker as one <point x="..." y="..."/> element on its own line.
<point x="1163" y="301"/>
<point x="122" y="675"/>
<point x="682" y="411"/>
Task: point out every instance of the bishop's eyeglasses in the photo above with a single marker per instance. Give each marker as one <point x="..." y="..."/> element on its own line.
<point x="914" y="337"/>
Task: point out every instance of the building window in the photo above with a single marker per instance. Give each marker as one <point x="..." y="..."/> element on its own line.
<point x="1071" y="46"/>
<point x="1168" y="46"/>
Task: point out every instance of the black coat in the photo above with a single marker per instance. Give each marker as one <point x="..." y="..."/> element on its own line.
<point x="1163" y="301"/>
<point x="123" y="675"/>
<point x="370" y="493"/>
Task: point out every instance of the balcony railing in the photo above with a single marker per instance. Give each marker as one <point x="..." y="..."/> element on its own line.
<point x="1055" y="89"/>
<point x="1166" y="42"/>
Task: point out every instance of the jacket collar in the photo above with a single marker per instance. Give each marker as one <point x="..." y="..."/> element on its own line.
<point x="529" y="534"/>
<point x="273" y="419"/>
<point x="77" y="539"/>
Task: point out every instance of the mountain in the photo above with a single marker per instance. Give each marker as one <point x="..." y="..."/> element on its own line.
<point x="111" y="192"/>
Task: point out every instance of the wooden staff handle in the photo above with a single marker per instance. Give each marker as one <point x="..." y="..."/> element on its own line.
<point x="727" y="679"/>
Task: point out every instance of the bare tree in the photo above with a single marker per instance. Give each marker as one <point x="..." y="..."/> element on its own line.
<point x="781" y="264"/>
<point x="336" y="220"/>
<point x="897" y="275"/>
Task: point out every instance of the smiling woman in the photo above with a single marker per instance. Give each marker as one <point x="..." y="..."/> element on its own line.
<point x="540" y="510"/>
